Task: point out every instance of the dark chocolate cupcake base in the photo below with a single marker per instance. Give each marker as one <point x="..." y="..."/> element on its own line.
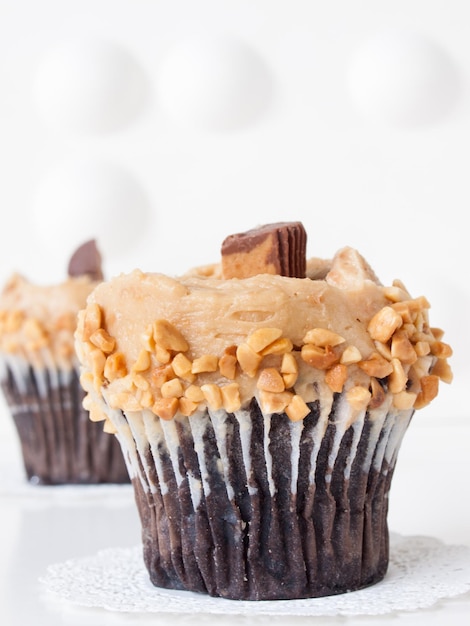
<point x="253" y="507"/>
<point x="59" y="443"/>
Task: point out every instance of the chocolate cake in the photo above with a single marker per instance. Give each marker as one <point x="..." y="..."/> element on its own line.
<point x="39" y="377"/>
<point x="261" y="416"/>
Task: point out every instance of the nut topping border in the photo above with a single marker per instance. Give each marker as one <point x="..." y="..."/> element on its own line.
<point x="409" y="362"/>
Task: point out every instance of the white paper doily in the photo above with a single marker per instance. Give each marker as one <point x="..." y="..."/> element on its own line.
<point x="422" y="571"/>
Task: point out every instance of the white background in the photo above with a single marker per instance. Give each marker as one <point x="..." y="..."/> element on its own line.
<point x="160" y="127"/>
<point x="357" y="124"/>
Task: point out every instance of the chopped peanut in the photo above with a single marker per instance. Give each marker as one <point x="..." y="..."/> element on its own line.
<point x="172" y="388"/>
<point x="401" y="348"/>
<point x="397" y="379"/>
<point x="165" y="408"/>
<point x="194" y="393"/>
<point x="376" y="366"/>
<point x="228" y="365"/>
<point x="97" y="361"/>
<point x="103" y="340"/>
<point x="270" y="380"/>
<point x="404" y="400"/>
<point x="419" y="304"/>
<point x="91" y="320"/>
<point x="441" y="350"/>
<point x="319" y="357"/>
<point x="403" y="310"/>
<point x="384" y="350"/>
<point x="206" y="363"/>
<point x="415" y="336"/>
<point x="384" y="323"/>
<point x="145" y="398"/>
<point x="169" y="337"/>
<point x="231" y="397"/>
<point x="161" y="374"/>
<point x="429" y="389"/>
<point x="248" y="359"/>
<point x="143" y="362"/>
<point x="399" y="283"/>
<point x="336" y="376"/>
<point x="182" y="367"/>
<point x="274" y="402"/>
<point x="322" y="337"/>
<point x="263" y="337"/>
<point x="213" y="395"/>
<point x="289" y="380"/>
<point x="358" y="397"/>
<point x="442" y="369"/>
<point x="395" y="293"/>
<point x="163" y="355"/>
<point x="297" y="409"/>
<point x="280" y="346"/>
<point x="33" y="329"/>
<point x="115" y="366"/>
<point x="416" y="372"/>
<point x="350" y="355"/>
<point x="147" y="340"/>
<point x="437" y="333"/>
<point x="422" y="348"/>
<point x="289" y="364"/>
<point x="186" y="406"/>
<point x="289" y="370"/>
<point x="139" y="381"/>
<point x="36" y="334"/>
<point x="13" y="320"/>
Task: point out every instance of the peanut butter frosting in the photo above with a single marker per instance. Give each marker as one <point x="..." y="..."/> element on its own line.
<point x="174" y="346"/>
<point x="37" y="322"/>
<point x="34" y="318"/>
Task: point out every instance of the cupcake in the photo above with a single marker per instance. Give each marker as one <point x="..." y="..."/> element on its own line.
<point x="260" y="404"/>
<point x="39" y="377"/>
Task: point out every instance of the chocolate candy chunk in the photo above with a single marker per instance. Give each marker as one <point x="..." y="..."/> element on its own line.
<point x="86" y="261"/>
<point x="278" y="248"/>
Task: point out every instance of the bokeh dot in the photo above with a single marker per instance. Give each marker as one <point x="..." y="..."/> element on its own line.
<point x="404" y="79"/>
<point x="89" y="86"/>
<point x="82" y="199"/>
<point x="214" y="84"/>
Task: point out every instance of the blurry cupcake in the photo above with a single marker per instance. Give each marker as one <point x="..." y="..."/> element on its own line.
<point x="260" y="404"/>
<point x="40" y="379"/>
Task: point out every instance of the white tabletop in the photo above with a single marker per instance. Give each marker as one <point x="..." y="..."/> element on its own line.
<point x="43" y="526"/>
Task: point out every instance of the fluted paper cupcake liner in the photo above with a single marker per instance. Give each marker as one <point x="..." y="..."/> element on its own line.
<point x="249" y="506"/>
<point x="59" y="443"/>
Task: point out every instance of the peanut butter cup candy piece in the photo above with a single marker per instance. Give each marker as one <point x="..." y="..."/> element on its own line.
<point x="40" y="379"/>
<point x="278" y="248"/>
<point x="86" y="261"/>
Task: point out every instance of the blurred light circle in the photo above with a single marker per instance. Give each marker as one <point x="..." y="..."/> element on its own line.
<point x="89" y="86"/>
<point x="214" y="84"/>
<point x="90" y="199"/>
<point x="403" y="79"/>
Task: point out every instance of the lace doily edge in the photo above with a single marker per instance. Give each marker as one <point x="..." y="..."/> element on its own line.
<point x="380" y="599"/>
